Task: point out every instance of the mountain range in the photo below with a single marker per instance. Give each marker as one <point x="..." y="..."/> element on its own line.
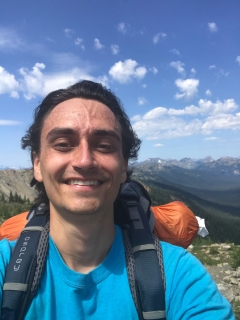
<point x="224" y="165"/>
<point x="211" y="189"/>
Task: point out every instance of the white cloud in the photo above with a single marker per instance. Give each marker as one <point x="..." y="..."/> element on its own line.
<point x="65" y="60"/>
<point x="115" y="49"/>
<point x="8" y="83"/>
<point x="9" y="123"/>
<point x="206" y="107"/>
<point x="212" y="66"/>
<point x="144" y="85"/>
<point x="163" y="123"/>
<point x="193" y="72"/>
<point x="9" y="40"/>
<point x="211" y="138"/>
<point x="175" y="51"/>
<point x="79" y="42"/>
<point x="155" y="113"/>
<point x="43" y="84"/>
<point x="154" y="70"/>
<point x="178" y="65"/>
<point x="208" y="93"/>
<point x="165" y="127"/>
<point x="142" y="101"/>
<point x="238" y="59"/>
<point x="122" y="27"/>
<point x="188" y="88"/>
<point x="212" y="27"/>
<point x="159" y="145"/>
<point x="97" y="44"/>
<point x="159" y="36"/>
<point x="223" y="73"/>
<point x="220" y="122"/>
<point x="69" y="32"/>
<point x="126" y="71"/>
<point x="36" y="82"/>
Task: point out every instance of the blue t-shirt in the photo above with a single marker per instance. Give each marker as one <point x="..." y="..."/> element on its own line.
<point x="104" y="293"/>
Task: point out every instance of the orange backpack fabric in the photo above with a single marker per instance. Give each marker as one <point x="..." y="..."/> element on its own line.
<point x="12" y="227"/>
<point x="175" y="223"/>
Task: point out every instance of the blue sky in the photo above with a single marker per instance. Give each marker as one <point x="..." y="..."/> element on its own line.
<point x="174" y="64"/>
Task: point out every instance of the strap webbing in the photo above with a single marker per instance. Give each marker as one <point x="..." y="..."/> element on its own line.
<point x="24" y="266"/>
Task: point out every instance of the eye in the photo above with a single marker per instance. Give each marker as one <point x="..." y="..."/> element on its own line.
<point x="62" y="146"/>
<point x="105" y="147"/>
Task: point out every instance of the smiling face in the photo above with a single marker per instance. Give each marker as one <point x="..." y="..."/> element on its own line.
<point x="80" y="161"/>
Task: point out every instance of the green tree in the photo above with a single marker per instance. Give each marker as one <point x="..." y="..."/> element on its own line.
<point x="11" y="199"/>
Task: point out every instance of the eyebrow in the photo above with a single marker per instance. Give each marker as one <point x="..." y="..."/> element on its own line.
<point x="70" y="131"/>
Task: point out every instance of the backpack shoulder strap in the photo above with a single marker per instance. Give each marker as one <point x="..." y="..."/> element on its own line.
<point x="26" y="265"/>
<point x="143" y="255"/>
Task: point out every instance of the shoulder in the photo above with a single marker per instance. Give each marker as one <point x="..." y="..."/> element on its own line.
<point x="5" y="254"/>
<point x="6" y="247"/>
<point x="179" y="264"/>
<point x="191" y="287"/>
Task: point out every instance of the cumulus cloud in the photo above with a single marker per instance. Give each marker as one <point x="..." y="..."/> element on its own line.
<point x="154" y="70"/>
<point x="9" y="40"/>
<point x="212" y="27"/>
<point x="211" y="138"/>
<point x="223" y="73"/>
<point x="238" y="59"/>
<point x="79" y="42"/>
<point x="165" y="127"/>
<point x="178" y="65"/>
<point x="193" y="72"/>
<point x="188" y="88"/>
<point x="69" y="32"/>
<point x="159" y="36"/>
<point x="159" y="145"/>
<point x="122" y="27"/>
<point x="208" y="93"/>
<point x="175" y="51"/>
<point x="206" y="107"/>
<point x="164" y="123"/>
<point x="212" y="66"/>
<point x="114" y="49"/>
<point x="220" y="122"/>
<point x="36" y="82"/>
<point x="97" y="44"/>
<point x="9" y="122"/>
<point x="142" y="101"/>
<point x="126" y="71"/>
<point x="8" y="83"/>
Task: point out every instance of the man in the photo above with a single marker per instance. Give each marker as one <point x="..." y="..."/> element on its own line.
<point x="81" y="141"/>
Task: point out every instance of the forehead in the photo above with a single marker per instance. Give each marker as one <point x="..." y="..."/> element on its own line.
<point x="81" y="114"/>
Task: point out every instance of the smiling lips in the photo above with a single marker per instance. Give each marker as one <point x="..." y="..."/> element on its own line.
<point x="84" y="183"/>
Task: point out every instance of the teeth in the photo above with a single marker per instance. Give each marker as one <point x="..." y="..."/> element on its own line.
<point x="84" y="183"/>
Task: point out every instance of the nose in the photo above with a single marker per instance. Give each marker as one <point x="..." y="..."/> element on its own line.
<point x="83" y="157"/>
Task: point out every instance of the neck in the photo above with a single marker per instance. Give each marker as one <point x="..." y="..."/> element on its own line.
<point x="85" y="243"/>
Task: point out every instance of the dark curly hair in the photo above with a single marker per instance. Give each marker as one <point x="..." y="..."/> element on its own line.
<point x="85" y="90"/>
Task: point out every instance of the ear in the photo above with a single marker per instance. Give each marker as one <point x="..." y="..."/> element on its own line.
<point x="37" y="167"/>
<point x="124" y="171"/>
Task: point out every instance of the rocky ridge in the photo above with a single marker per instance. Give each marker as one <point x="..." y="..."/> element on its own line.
<point x="16" y="181"/>
<point x="224" y="165"/>
<point x="226" y="277"/>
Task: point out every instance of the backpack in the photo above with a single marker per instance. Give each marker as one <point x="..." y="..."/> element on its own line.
<point x="142" y="250"/>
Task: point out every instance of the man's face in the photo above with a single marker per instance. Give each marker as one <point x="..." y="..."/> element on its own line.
<point x="80" y="160"/>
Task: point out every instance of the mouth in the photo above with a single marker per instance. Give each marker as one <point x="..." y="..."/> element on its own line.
<point x="74" y="182"/>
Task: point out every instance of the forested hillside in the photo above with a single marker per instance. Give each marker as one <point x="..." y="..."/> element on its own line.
<point x="222" y="222"/>
<point x="12" y="206"/>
